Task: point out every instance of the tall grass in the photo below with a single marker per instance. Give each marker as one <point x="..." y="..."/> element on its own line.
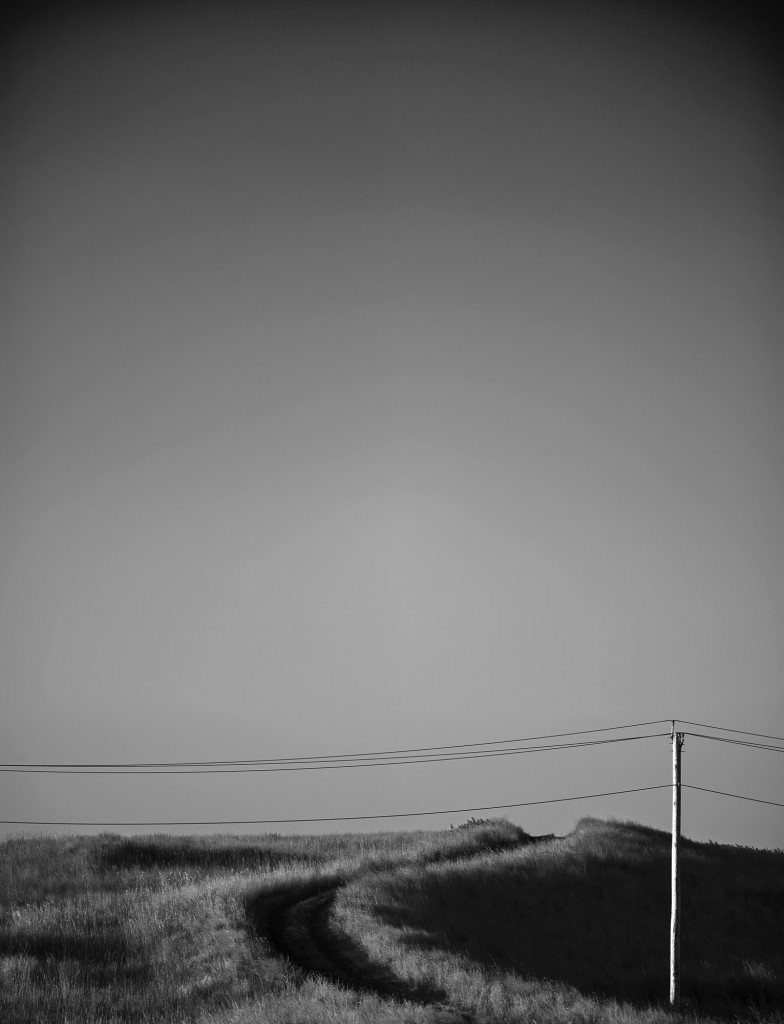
<point x="579" y="927"/>
<point x="111" y="929"/>
<point x="157" y="928"/>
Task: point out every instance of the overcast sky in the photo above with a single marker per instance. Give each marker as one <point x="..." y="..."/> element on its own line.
<point x="372" y="381"/>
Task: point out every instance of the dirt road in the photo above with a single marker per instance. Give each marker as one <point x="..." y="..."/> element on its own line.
<point x="297" y="924"/>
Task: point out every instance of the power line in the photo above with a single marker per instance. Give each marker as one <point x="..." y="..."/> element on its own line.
<point x="348" y="817"/>
<point x="334" y="757"/>
<point x="722" y="728"/>
<point x="736" y="796"/>
<point x="400" y="814"/>
<point x="288" y="767"/>
<point x="737" y="743"/>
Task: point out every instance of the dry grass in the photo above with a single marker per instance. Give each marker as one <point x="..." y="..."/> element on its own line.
<point x="578" y="928"/>
<point x="155" y="928"/>
<point x="107" y="929"/>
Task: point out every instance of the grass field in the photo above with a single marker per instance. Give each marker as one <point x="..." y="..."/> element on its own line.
<point x="159" y="928"/>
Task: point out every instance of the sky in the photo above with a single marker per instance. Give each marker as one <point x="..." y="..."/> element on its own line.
<point x="375" y="377"/>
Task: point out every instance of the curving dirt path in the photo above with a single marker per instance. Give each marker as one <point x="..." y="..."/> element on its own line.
<point x="297" y="924"/>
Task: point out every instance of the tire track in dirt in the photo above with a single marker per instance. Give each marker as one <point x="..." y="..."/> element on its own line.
<point x="297" y="924"/>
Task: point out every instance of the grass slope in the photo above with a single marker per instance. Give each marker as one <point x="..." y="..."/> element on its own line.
<point x="110" y="929"/>
<point x="575" y="927"/>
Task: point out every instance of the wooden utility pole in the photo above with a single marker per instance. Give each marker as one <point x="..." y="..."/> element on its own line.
<point x="675" y="916"/>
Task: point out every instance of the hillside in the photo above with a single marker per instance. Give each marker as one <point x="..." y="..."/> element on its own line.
<point x="479" y="923"/>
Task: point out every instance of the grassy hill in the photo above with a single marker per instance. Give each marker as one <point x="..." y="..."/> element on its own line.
<point x="502" y="927"/>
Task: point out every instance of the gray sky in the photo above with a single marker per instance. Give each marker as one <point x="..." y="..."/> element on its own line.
<point x="376" y="381"/>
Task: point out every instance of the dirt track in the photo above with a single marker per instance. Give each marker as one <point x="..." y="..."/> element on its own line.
<point x="297" y="924"/>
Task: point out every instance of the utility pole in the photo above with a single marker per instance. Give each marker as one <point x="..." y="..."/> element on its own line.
<point x="675" y="916"/>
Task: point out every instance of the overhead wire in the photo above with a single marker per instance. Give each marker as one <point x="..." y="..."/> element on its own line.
<point x="401" y="756"/>
<point x="381" y="762"/>
<point x="723" y="728"/>
<point x="737" y="743"/>
<point x="347" y="817"/>
<point x="736" y="796"/>
<point x="399" y="814"/>
<point x="457" y="747"/>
